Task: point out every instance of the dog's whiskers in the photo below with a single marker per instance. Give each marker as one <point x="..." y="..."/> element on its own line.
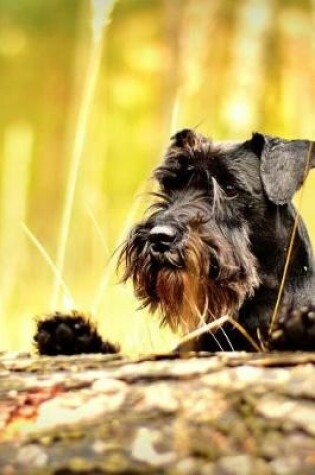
<point x="227" y="338"/>
<point x="216" y="195"/>
<point x="203" y="323"/>
<point x="202" y="318"/>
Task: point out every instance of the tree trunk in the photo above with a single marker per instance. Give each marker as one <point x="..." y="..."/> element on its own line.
<point x="203" y="414"/>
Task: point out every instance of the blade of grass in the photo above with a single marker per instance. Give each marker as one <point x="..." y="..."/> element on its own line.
<point x="98" y="229"/>
<point x="80" y="135"/>
<point x="100" y="17"/>
<point x="111" y="266"/>
<point x="50" y="262"/>
<point x="245" y="334"/>
<point x="214" y="325"/>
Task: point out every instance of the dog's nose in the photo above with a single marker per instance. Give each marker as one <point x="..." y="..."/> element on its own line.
<point x="162" y="237"/>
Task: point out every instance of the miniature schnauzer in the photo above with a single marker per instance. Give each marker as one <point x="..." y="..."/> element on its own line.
<point x="216" y="243"/>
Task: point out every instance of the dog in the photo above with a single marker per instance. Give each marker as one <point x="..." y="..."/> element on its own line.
<point x="216" y="243"/>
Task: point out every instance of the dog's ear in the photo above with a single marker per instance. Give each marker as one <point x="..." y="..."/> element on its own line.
<point x="189" y="139"/>
<point x="184" y="138"/>
<point x="284" y="165"/>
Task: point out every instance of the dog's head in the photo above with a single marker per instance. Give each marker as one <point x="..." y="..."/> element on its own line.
<point x="193" y="255"/>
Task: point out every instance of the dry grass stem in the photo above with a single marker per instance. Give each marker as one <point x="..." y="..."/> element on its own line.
<point x="50" y="263"/>
<point x="245" y="334"/>
<point x="98" y="229"/>
<point x="111" y="266"/>
<point x="217" y="324"/>
<point x="79" y="140"/>
<point x="204" y="329"/>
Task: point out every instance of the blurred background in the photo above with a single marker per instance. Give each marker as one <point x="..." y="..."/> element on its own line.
<point x="89" y="94"/>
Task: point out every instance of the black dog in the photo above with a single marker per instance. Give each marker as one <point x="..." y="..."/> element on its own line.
<point x="217" y="239"/>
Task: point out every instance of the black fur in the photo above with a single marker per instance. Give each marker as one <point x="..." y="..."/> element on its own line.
<point x="69" y="334"/>
<point x="215" y="243"/>
<point x="236" y="199"/>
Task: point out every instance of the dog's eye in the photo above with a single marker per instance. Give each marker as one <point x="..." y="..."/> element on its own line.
<point x="230" y="190"/>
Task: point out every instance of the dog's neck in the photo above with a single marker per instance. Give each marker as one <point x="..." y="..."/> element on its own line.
<point x="274" y="253"/>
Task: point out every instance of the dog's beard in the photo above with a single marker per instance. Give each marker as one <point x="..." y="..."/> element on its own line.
<point x="191" y="296"/>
